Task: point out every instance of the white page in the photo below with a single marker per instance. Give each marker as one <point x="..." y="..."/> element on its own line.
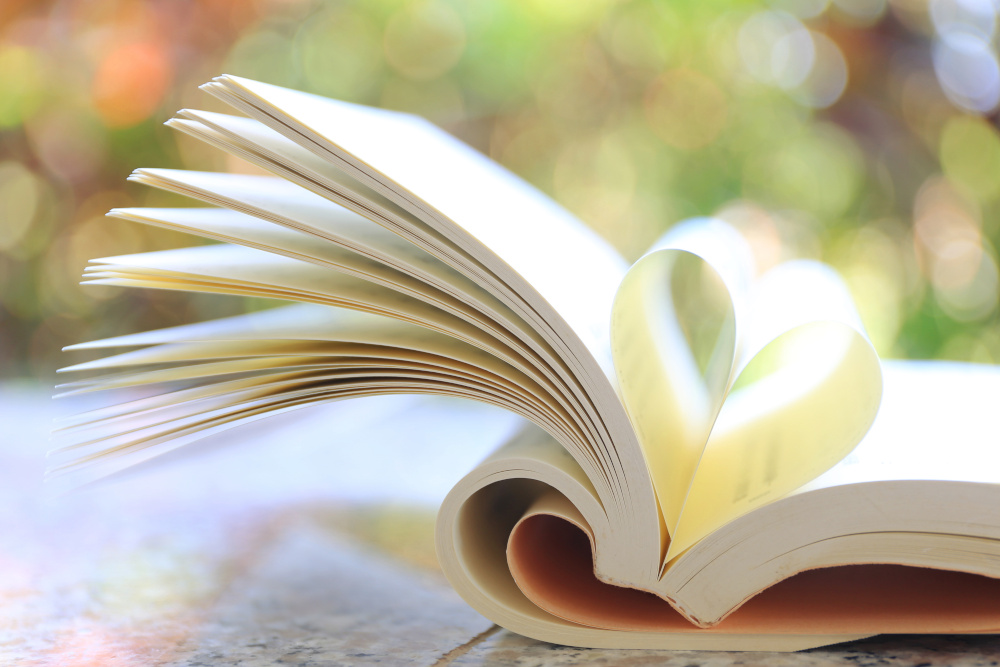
<point x="937" y="421"/>
<point x="566" y="262"/>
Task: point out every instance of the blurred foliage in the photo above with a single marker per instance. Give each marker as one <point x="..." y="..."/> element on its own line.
<point x="862" y="132"/>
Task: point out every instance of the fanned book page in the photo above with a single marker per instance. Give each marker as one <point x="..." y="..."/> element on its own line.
<point x="689" y="473"/>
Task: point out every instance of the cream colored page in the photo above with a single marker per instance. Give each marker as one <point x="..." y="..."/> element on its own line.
<point x="411" y="351"/>
<point x="302" y="327"/>
<point x="307" y="323"/>
<point x="287" y="205"/>
<point x="397" y="357"/>
<point x="320" y="356"/>
<point x="230" y="226"/>
<point x="740" y="388"/>
<point x="235" y="269"/>
<point x="343" y="191"/>
<point x="937" y="421"/>
<point x="408" y="268"/>
<point x="572" y="268"/>
<point x="305" y="211"/>
<point x="282" y="157"/>
<point x="674" y="337"/>
<point x="725" y="250"/>
<point x="799" y="405"/>
<point x="126" y="450"/>
<point x="273" y="151"/>
<point x="284" y="203"/>
<point x="288" y="323"/>
<point x="254" y="134"/>
<point x="792" y="294"/>
<point x="287" y="387"/>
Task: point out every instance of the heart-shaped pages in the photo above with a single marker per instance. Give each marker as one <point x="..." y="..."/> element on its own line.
<point x="741" y="387"/>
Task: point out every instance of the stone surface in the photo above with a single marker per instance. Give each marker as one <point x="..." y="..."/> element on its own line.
<point x="314" y="598"/>
<point x="505" y="648"/>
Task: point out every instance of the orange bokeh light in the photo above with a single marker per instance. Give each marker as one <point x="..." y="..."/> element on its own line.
<point x="131" y="82"/>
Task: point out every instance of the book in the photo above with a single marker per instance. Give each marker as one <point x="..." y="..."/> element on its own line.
<point x="689" y="474"/>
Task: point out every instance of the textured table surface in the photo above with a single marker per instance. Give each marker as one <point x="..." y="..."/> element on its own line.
<point x="288" y="543"/>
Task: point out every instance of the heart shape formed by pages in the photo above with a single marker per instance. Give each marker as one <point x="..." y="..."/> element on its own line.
<point x="741" y="388"/>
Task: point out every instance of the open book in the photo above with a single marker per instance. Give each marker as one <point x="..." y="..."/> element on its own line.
<point x="689" y="471"/>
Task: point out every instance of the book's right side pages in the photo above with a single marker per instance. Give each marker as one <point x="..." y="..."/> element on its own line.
<point x="938" y="421"/>
<point x="912" y="512"/>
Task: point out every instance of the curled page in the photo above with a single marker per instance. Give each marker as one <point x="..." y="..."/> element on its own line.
<point x="741" y="388"/>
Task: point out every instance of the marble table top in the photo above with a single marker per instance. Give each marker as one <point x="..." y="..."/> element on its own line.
<point x="291" y="542"/>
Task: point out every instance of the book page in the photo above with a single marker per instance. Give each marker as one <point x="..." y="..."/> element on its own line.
<point x="673" y="341"/>
<point x="937" y="421"/>
<point x="288" y="357"/>
<point x="798" y="406"/>
<point x="228" y="269"/>
<point x="741" y="388"/>
<point x="574" y="270"/>
<point x="239" y="228"/>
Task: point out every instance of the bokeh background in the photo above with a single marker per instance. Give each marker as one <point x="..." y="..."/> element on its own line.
<point x="861" y="132"/>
